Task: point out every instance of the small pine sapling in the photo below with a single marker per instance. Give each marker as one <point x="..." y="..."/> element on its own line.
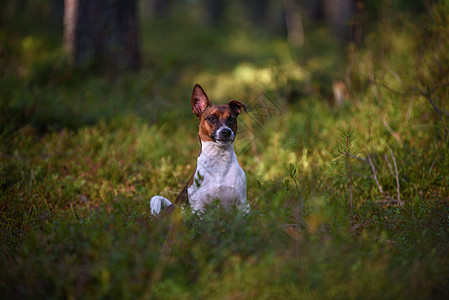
<point x="342" y="166"/>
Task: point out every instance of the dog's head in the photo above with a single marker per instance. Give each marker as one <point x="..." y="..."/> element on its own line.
<point x="218" y="123"/>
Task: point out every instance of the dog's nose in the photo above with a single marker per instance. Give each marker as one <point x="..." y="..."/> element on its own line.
<point x="225" y="133"/>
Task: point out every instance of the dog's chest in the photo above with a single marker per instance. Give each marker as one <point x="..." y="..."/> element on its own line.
<point x="218" y="176"/>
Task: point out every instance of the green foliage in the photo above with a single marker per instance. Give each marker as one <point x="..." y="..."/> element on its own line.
<point x="343" y="164"/>
<point x="81" y="154"/>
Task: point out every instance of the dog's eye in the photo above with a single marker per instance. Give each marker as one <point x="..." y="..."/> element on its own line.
<point x="212" y="118"/>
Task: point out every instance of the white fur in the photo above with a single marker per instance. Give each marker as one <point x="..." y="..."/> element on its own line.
<point x="157" y="203"/>
<point x="218" y="176"/>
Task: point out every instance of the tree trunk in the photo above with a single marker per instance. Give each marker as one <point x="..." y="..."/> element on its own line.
<point x="293" y="21"/>
<point x="215" y="11"/>
<point x="162" y="8"/>
<point x="103" y="33"/>
<point x="257" y="11"/>
<point x="339" y="14"/>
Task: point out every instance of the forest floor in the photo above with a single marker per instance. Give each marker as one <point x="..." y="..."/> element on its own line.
<point x="348" y="201"/>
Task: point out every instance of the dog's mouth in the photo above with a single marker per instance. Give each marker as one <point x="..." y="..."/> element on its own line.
<point x="223" y="136"/>
<point x="222" y="141"/>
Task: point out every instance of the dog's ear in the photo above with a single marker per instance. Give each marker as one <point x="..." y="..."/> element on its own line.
<point x="236" y="106"/>
<point x="199" y="100"/>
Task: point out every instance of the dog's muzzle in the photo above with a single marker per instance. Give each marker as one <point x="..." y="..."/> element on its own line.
<point x="223" y="135"/>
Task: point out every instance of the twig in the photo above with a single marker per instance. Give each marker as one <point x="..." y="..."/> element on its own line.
<point x="388" y="163"/>
<point x="387" y="197"/>
<point x="433" y="163"/>
<point x="411" y="92"/>
<point x="393" y="133"/>
<point x="441" y="86"/>
<point x="356" y="157"/>
<point x="397" y="178"/>
<point x="373" y="169"/>
<point x="437" y="110"/>
<point x="391" y="71"/>
<point x="416" y="91"/>
<point x="409" y="110"/>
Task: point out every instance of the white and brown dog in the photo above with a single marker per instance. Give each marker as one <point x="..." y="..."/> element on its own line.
<point x="217" y="175"/>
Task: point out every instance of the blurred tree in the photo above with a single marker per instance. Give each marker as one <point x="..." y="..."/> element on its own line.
<point x="216" y="11"/>
<point x="162" y="7"/>
<point x="293" y="21"/>
<point x="257" y="11"/>
<point x="339" y="14"/>
<point x="158" y="8"/>
<point x="103" y="33"/>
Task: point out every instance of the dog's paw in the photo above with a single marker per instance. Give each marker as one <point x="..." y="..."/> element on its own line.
<point x="157" y="203"/>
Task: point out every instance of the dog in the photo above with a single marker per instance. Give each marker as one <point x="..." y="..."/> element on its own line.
<point x="218" y="174"/>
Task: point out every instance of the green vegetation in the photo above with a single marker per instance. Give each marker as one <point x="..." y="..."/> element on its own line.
<point x="81" y="154"/>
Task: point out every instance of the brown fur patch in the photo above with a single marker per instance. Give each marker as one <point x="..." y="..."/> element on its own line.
<point x="222" y="115"/>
